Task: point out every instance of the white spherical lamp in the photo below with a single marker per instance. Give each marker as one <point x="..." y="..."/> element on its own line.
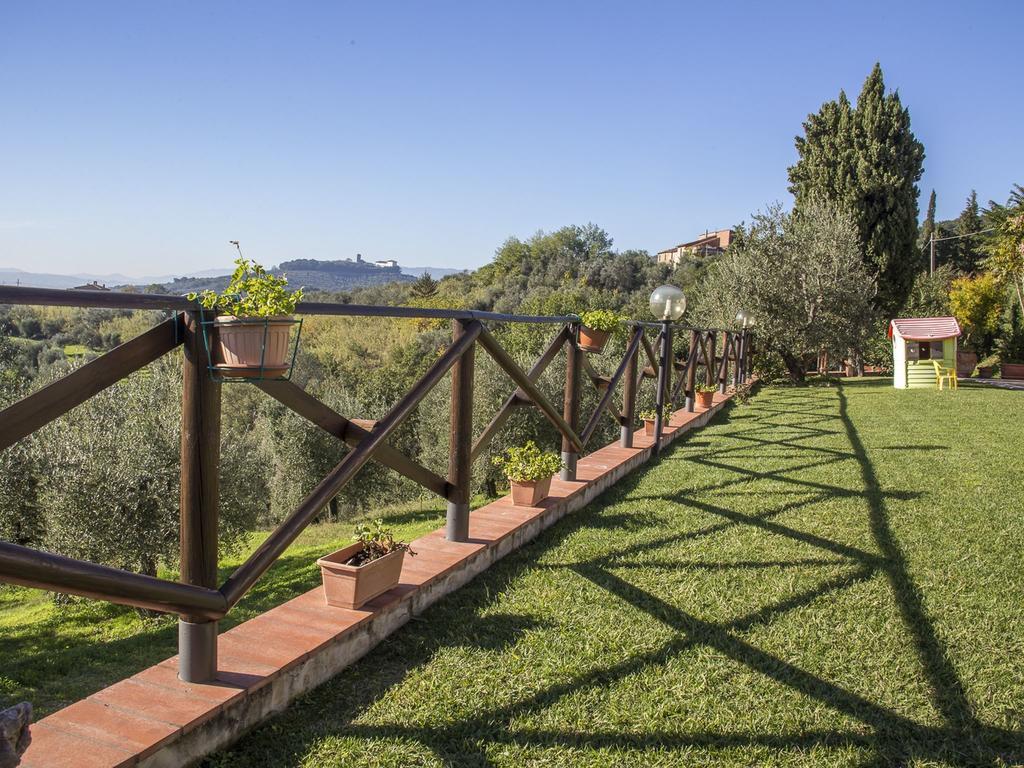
<point x="744" y="318"/>
<point x="668" y="303"/>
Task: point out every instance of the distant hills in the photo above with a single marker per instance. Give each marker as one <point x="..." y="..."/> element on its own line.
<point x="312" y="274"/>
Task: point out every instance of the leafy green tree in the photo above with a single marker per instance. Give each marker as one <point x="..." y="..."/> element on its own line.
<point x="929" y="296"/>
<point x="977" y="303"/>
<point x="802" y="277"/>
<point x="1005" y="248"/>
<point x="424" y="287"/>
<point x="1011" y="339"/>
<point x="867" y="159"/>
<point x="966" y="253"/>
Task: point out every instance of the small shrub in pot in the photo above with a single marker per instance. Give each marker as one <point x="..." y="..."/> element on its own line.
<point x="705" y="394"/>
<point x="252" y="336"/>
<point x="365" y="569"/>
<point x="648" y="418"/>
<point x="596" y="328"/>
<point x="529" y="471"/>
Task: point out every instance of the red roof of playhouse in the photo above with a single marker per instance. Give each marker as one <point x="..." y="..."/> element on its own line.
<point x="926" y="328"/>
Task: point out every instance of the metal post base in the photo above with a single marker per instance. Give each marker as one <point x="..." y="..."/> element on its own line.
<point x="456" y="526"/>
<point x="689" y="403"/>
<point x="197" y="651"/>
<point x="626" y="437"/>
<point x="569" y="465"/>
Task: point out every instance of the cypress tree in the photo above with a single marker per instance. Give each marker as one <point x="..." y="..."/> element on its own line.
<point x="927" y="230"/>
<point x="867" y="159"/>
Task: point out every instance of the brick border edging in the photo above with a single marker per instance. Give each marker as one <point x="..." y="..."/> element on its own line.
<point x="154" y="720"/>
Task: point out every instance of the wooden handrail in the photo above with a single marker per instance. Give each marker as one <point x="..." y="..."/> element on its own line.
<point x="499" y="419"/>
<point x="274" y="545"/>
<point x="198" y="601"/>
<point x="45" y="570"/>
<point x="301" y="402"/>
<point x="591" y="426"/>
<point x="504" y="359"/>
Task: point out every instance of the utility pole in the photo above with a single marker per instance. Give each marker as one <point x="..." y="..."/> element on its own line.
<point x="931" y="269"/>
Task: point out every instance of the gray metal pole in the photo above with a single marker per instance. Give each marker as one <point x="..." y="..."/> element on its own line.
<point x="664" y="361"/>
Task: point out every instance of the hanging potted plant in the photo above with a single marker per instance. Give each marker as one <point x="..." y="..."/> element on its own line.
<point x="596" y="328"/>
<point x="251" y="337"/>
<point x="529" y="470"/>
<point x="705" y="394"/>
<point x="648" y="418"/>
<point x="361" y="571"/>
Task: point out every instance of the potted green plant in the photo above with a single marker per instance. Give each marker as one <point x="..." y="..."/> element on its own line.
<point x="529" y="471"/>
<point x="251" y="335"/>
<point x="367" y="568"/>
<point x="705" y="394"/>
<point x="596" y="328"/>
<point x="648" y="418"/>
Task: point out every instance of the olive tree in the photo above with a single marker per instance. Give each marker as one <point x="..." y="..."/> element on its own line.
<point x="20" y="517"/>
<point x="110" y="492"/>
<point x="802" y="276"/>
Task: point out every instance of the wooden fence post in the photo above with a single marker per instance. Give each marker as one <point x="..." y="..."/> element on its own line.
<point x="571" y="401"/>
<point x="711" y="345"/>
<point x="723" y="369"/>
<point x="200" y="483"/>
<point x="691" y="369"/>
<point x="629" y="396"/>
<point x="460" y="469"/>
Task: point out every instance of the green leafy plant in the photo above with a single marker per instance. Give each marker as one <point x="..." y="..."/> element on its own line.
<point x="528" y="463"/>
<point x="377" y="542"/>
<point x="601" y="320"/>
<point x="650" y="415"/>
<point x="252" y="292"/>
<point x="706" y="388"/>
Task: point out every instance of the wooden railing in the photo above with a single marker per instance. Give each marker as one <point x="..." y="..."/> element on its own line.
<point x="197" y="598"/>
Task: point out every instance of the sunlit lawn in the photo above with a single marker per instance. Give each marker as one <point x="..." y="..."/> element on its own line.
<point x="826" y="576"/>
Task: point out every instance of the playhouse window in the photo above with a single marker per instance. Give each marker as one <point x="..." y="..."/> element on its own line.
<point x="929" y="350"/>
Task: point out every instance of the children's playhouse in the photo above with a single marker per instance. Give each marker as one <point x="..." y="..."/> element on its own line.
<point x="919" y="342"/>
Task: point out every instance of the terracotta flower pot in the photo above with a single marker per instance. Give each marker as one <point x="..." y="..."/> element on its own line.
<point x="649" y="427"/>
<point x="1012" y="370"/>
<point x="350" y="586"/>
<point x="705" y="399"/>
<point x="592" y="340"/>
<point x="530" y="494"/>
<point x="250" y="348"/>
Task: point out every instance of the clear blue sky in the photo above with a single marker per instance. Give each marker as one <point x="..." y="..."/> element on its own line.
<point x="141" y="137"/>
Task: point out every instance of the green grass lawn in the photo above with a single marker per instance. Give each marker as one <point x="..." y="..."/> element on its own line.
<point x="54" y="655"/>
<point x="826" y="576"/>
<point x="76" y="350"/>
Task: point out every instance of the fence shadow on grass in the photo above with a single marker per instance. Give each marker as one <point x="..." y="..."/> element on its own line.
<point x="463" y="619"/>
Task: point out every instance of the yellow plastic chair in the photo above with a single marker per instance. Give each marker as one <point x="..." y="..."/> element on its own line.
<point x="943" y="374"/>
